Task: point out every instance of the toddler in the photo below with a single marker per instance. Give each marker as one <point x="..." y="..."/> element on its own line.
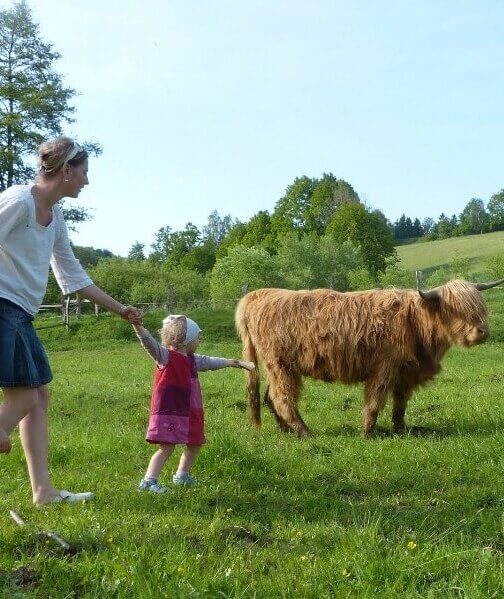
<point x="176" y="412"/>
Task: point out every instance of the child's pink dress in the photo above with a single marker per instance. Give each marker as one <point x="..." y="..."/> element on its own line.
<point x="176" y="414"/>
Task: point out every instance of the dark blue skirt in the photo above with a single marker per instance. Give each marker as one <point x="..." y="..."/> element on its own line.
<point x="23" y="361"/>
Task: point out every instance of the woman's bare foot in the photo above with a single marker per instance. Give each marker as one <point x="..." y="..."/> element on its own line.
<point x="5" y="444"/>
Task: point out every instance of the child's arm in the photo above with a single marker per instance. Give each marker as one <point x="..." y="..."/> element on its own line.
<point x="157" y="351"/>
<point x="210" y="363"/>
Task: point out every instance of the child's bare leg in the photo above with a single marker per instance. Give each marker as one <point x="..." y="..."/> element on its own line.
<point x="187" y="458"/>
<point x="18" y="402"/>
<point x="158" y="460"/>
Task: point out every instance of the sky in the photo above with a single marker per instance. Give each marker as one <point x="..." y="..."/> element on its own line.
<point x="219" y="105"/>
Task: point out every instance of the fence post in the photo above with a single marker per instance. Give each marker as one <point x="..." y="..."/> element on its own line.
<point x="78" y="305"/>
<point x="65" y="305"/>
<point x="419" y="279"/>
<point x="170" y="301"/>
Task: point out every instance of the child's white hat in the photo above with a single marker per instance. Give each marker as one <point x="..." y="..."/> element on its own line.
<point x="182" y="330"/>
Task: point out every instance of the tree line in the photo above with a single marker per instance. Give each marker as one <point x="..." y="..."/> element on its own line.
<point x="475" y="218"/>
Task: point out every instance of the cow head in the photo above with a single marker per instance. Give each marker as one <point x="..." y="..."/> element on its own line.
<point x="461" y="310"/>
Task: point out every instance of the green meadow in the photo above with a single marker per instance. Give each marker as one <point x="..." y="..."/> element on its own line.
<point x="335" y="515"/>
<point x="440" y="253"/>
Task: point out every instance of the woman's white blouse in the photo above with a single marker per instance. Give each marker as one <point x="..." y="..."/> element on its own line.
<point x="27" y="249"/>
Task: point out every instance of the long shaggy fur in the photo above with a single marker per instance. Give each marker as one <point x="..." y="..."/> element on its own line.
<point x="392" y="340"/>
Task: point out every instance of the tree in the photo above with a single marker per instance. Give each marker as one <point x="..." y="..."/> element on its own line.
<point x="33" y="99"/>
<point x="252" y="267"/>
<point x="417" y="229"/>
<point x="137" y="251"/>
<point x="366" y="229"/>
<point x="309" y="204"/>
<point x="405" y="228"/>
<point x="139" y="281"/>
<point x="174" y="245"/>
<point x="291" y="210"/>
<point x="258" y="232"/>
<point x="396" y="276"/>
<point x="200" y="258"/>
<point x="328" y="195"/>
<point x="495" y="208"/>
<point x="427" y="225"/>
<point x="445" y="227"/>
<point x="89" y="256"/>
<point x="474" y="218"/>
<point x="217" y="227"/>
<point x="314" y="261"/>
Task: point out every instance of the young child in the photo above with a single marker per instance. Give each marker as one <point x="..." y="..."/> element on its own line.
<point x="176" y="413"/>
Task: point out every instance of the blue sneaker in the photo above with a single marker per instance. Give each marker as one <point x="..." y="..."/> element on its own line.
<point x="184" y="478"/>
<point x="151" y="485"/>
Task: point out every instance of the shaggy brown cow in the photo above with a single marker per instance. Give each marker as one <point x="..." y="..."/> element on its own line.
<point x="392" y="340"/>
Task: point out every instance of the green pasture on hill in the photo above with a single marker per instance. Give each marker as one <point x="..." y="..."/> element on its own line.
<point x="332" y="516"/>
<point x="430" y="255"/>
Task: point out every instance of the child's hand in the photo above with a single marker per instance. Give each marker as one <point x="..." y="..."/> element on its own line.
<point x="132" y="315"/>
<point x="242" y="364"/>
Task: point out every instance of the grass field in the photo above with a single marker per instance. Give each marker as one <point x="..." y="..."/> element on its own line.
<point x="273" y="516"/>
<point x="437" y="254"/>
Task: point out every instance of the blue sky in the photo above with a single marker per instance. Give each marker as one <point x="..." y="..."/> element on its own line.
<point x="220" y="105"/>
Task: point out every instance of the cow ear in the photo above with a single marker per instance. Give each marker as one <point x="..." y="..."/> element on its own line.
<point x="483" y="286"/>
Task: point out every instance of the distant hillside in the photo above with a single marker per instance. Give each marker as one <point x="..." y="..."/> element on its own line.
<point x="435" y="254"/>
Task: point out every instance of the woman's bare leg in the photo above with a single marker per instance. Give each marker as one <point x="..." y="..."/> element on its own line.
<point x="18" y="401"/>
<point x="34" y="438"/>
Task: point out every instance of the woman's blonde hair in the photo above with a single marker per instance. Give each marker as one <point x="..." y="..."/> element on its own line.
<point x="54" y="154"/>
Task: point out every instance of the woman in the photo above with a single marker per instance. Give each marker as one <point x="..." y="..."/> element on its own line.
<point x="33" y="234"/>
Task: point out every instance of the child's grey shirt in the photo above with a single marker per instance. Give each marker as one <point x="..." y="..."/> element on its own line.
<point x="161" y="354"/>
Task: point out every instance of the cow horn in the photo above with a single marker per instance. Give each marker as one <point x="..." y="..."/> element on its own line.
<point x="483" y="286"/>
<point x="429" y="295"/>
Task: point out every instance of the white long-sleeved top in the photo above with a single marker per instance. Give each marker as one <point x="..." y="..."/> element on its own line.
<point x="161" y="354"/>
<point x="27" y="248"/>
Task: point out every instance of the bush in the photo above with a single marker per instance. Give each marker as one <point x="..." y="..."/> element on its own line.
<point x="252" y="267"/>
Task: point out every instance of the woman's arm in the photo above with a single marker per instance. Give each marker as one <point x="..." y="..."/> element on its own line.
<point x="98" y="296"/>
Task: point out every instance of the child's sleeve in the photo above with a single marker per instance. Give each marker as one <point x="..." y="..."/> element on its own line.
<point x="158" y="352"/>
<point x="210" y="363"/>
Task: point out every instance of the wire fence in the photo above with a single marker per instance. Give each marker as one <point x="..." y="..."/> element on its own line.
<point x="73" y="308"/>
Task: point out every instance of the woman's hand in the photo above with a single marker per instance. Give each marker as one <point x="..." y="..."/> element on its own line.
<point x="131" y="314"/>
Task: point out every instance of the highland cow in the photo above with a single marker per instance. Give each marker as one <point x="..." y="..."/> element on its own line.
<point x="392" y="340"/>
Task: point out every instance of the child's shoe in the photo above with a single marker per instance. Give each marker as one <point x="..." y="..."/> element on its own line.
<point x="183" y="478"/>
<point x="151" y="485"/>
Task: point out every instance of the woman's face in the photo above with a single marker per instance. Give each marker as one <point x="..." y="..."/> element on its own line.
<point x="75" y="179"/>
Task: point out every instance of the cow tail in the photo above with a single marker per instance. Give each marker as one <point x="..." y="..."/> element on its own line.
<point x="249" y="354"/>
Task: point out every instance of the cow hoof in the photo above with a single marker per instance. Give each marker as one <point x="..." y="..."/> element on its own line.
<point x="420" y="431"/>
<point x="398" y="430"/>
<point x="304" y="433"/>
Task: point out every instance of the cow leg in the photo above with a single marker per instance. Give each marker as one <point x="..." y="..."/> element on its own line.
<point x="400" y="396"/>
<point x="284" y="394"/>
<point x="280" y="421"/>
<point x="374" y="400"/>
